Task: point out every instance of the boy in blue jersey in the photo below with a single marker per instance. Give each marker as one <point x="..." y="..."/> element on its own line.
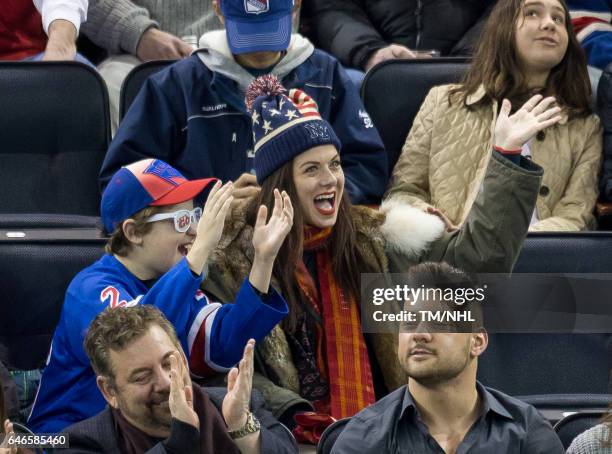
<point x="157" y="254"/>
<point x="193" y="115"/>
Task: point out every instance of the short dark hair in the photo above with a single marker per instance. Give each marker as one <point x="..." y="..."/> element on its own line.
<point x="441" y="276"/>
<point x="115" y="328"/>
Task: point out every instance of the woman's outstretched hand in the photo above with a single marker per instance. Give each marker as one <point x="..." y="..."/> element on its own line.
<point x="513" y="131"/>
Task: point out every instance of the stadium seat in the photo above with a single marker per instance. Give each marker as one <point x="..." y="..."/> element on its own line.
<point x="36" y="267"/>
<point x="134" y="81"/>
<point x="556" y="373"/>
<point x="574" y="424"/>
<point x="548" y="370"/>
<point x="330" y="435"/>
<point x="54" y="131"/>
<point x="577" y="252"/>
<point x="394" y="90"/>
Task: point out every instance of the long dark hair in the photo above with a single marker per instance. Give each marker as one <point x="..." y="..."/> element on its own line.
<point x="347" y="262"/>
<point x="496" y="65"/>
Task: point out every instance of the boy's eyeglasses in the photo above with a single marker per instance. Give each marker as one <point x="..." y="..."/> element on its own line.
<point x="182" y="218"/>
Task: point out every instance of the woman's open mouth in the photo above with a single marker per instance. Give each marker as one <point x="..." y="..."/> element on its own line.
<point x="326" y="203"/>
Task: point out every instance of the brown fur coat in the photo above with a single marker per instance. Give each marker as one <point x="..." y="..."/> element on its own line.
<point x="232" y="260"/>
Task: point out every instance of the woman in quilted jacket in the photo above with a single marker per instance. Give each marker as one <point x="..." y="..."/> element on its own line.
<point x="527" y="48"/>
<point x="319" y="353"/>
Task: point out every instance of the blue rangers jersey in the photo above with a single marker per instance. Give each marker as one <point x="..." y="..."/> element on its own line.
<point x="217" y="333"/>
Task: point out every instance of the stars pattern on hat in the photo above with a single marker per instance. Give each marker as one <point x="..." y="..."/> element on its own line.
<point x="267" y="126"/>
<point x="273" y="114"/>
<point x="255" y="117"/>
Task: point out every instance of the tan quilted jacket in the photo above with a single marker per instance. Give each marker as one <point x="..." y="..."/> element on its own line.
<point x="445" y="156"/>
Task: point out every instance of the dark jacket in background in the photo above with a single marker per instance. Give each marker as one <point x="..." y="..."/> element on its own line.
<point x="352" y="29"/>
<point x="604" y="109"/>
<point x="196" y="120"/>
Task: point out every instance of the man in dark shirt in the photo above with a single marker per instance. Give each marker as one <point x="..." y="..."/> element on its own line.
<point x="443" y="409"/>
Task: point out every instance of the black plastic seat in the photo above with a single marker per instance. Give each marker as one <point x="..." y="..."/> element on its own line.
<point x="54" y="131"/>
<point x="393" y="92"/>
<point x="135" y="80"/>
<point x="573" y="425"/>
<point x="35" y="270"/>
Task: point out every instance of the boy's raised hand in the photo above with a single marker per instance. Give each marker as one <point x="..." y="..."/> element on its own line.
<point x="211" y="225"/>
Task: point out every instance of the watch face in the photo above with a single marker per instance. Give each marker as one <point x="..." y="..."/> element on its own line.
<point x="252" y="425"/>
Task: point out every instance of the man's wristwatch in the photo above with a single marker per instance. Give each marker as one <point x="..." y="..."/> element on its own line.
<point x="252" y="425"/>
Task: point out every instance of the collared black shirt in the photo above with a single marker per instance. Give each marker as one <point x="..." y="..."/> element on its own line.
<point x="393" y="425"/>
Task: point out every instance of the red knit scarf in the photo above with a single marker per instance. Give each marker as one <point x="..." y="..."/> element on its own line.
<point x="348" y="366"/>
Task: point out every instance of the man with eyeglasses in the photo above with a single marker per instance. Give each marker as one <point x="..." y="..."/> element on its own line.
<point x="157" y="253"/>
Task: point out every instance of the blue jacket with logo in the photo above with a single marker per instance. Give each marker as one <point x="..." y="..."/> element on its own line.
<point x="196" y="120"/>
<point x="212" y="335"/>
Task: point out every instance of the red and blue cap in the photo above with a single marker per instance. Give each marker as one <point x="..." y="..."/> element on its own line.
<point x="150" y="182"/>
<point x="257" y="25"/>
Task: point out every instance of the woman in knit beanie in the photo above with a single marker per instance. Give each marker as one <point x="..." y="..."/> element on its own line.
<point x="319" y="351"/>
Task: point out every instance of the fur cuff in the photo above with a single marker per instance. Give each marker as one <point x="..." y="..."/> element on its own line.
<point x="409" y="230"/>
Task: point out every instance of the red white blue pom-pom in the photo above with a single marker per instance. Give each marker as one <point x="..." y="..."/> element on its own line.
<point x="267" y="85"/>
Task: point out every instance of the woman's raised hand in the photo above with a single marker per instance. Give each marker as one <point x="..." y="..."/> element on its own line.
<point x="513" y="131"/>
<point x="268" y="237"/>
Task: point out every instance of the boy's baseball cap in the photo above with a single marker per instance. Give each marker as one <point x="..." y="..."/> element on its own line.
<point x="150" y="182"/>
<point x="257" y="25"/>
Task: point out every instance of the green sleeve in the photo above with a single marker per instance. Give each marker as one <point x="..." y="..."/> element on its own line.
<point x="493" y="233"/>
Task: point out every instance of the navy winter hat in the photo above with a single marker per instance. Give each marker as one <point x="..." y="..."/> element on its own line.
<point x="283" y="125"/>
